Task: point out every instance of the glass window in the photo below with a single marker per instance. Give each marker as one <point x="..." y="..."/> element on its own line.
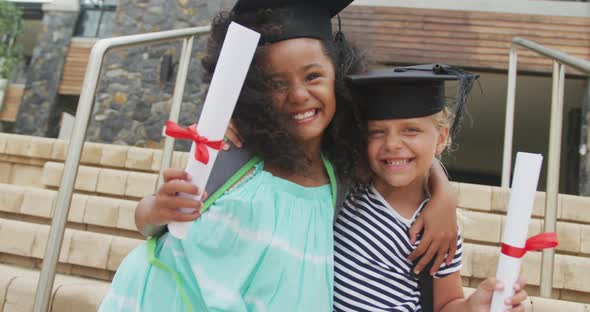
<point x="96" y="18"/>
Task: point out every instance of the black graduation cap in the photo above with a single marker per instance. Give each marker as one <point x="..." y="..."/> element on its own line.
<point x="307" y="19"/>
<point x="411" y="91"/>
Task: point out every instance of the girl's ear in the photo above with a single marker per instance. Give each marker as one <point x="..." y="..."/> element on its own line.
<point x="443" y="140"/>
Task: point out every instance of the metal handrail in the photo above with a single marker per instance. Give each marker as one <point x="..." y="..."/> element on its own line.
<point x="560" y="59"/>
<point x="85" y="105"/>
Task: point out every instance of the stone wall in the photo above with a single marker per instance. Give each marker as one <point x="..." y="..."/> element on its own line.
<point x="39" y="112"/>
<point x="132" y="103"/>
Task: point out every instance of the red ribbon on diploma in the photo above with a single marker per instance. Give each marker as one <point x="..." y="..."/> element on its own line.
<point x="537" y="242"/>
<point x="190" y="133"/>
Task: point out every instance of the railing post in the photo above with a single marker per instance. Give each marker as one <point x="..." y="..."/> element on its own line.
<point x="183" y="66"/>
<point x="560" y="59"/>
<point x="85" y="104"/>
<point x="553" y="162"/>
<point x="509" y="123"/>
<point x="66" y="188"/>
<point x="584" y="181"/>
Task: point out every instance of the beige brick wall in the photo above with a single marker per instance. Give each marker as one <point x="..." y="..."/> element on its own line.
<point x="60" y="150"/>
<point x="140" y="184"/>
<point x="3" y="143"/>
<point x="75" y="294"/>
<point x="139" y="158"/>
<point x="5" y="172"/>
<point x="26" y="175"/>
<point x="17" y="238"/>
<point x="17" y="145"/>
<point x="91" y="153"/>
<point x="12" y="197"/>
<point x="38" y="202"/>
<point x="114" y="156"/>
<point x="111" y="182"/>
<point x="80" y="248"/>
<point x="102" y="211"/>
<point x="112" y="178"/>
<point x="70" y="294"/>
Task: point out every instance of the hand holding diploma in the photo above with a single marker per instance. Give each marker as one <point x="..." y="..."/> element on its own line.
<point x="514" y="242"/>
<point x="234" y="61"/>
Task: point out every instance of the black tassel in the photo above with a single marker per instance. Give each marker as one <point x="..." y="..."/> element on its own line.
<point x="339" y="35"/>
<point x="465" y="82"/>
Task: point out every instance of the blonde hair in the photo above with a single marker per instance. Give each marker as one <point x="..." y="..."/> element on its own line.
<point x="444" y="119"/>
<point x="441" y="120"/>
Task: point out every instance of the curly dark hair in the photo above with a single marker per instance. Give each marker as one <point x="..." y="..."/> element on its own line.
<point x="262" y="127"/>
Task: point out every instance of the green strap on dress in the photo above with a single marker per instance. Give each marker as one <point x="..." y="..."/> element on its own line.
<point x="151" y="242"/>
<point x="229" y="183"/>
<point x="151" y="249"/>
<point x="333" y="181"/>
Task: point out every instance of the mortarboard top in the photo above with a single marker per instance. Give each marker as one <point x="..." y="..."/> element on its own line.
<point x="406" y="92"/>
<point x="307" y="19"/>
<point x="411" y="91"/>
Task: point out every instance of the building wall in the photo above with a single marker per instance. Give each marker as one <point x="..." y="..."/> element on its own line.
<point x="39" y="111"/>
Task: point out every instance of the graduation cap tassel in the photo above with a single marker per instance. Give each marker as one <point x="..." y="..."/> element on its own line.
<point x="465" y="84"/>
<point x="339" y="35"/>
<point x="346" y="55"/>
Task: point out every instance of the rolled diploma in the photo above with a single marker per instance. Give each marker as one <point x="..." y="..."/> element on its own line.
<point x="520" y="208"/>
<point x="234" y="60"/>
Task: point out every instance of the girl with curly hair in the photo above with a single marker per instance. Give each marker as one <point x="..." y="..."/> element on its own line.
<point x="267" y="243"/>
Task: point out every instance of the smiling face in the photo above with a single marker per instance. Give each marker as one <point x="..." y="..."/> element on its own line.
<point x="302" y="76"/>
<point x="401" y="151"/>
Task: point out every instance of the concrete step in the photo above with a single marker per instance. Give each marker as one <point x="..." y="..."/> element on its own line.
<point x="115" y="213"/>
<point x="100" y="211"/>
<point x="70" y="293"/>
<point x="99" y="255"/>
<point x="110" y="182"/>
<point x="571" y="275"/>
<point x="76" y="294"/>
<point x="83" y="253"/>
<point x="487" y="228"/>
<point x="494" y="199"/>
<point x="112" y="178"/>
<point x="14" y="146"/>
<point x="540" y="304"/>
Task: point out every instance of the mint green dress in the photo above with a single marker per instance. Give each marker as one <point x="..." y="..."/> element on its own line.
<point x="265" y="245"/>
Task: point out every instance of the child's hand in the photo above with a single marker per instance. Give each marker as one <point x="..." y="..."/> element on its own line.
<point x="439" y="238"/>
<point x="233" y="136"/>
<point x="439" y="221"/>
<point x="481" y="299"/>
<point x="167" y="201"/>
<point x="162" y="208"/>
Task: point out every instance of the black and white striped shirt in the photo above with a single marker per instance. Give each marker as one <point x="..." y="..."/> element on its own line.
<point x="371" y="244"/>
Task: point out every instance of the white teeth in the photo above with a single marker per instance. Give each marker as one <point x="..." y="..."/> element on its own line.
<point x="396" y="162"/>
<point x="305" y="115"/>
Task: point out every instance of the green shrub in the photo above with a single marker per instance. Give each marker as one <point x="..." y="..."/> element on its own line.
<point x="11" y="25"/>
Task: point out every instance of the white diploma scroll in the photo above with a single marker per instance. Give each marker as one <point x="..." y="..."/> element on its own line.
<point x="234" y="61"/>
<point x="520" y="208"/>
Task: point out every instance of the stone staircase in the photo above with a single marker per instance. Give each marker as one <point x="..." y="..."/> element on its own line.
<point x="112" y="178"/>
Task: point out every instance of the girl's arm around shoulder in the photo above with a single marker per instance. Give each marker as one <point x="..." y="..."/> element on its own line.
<point x="448" y="295"/>
<point x="439" y="221"/>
